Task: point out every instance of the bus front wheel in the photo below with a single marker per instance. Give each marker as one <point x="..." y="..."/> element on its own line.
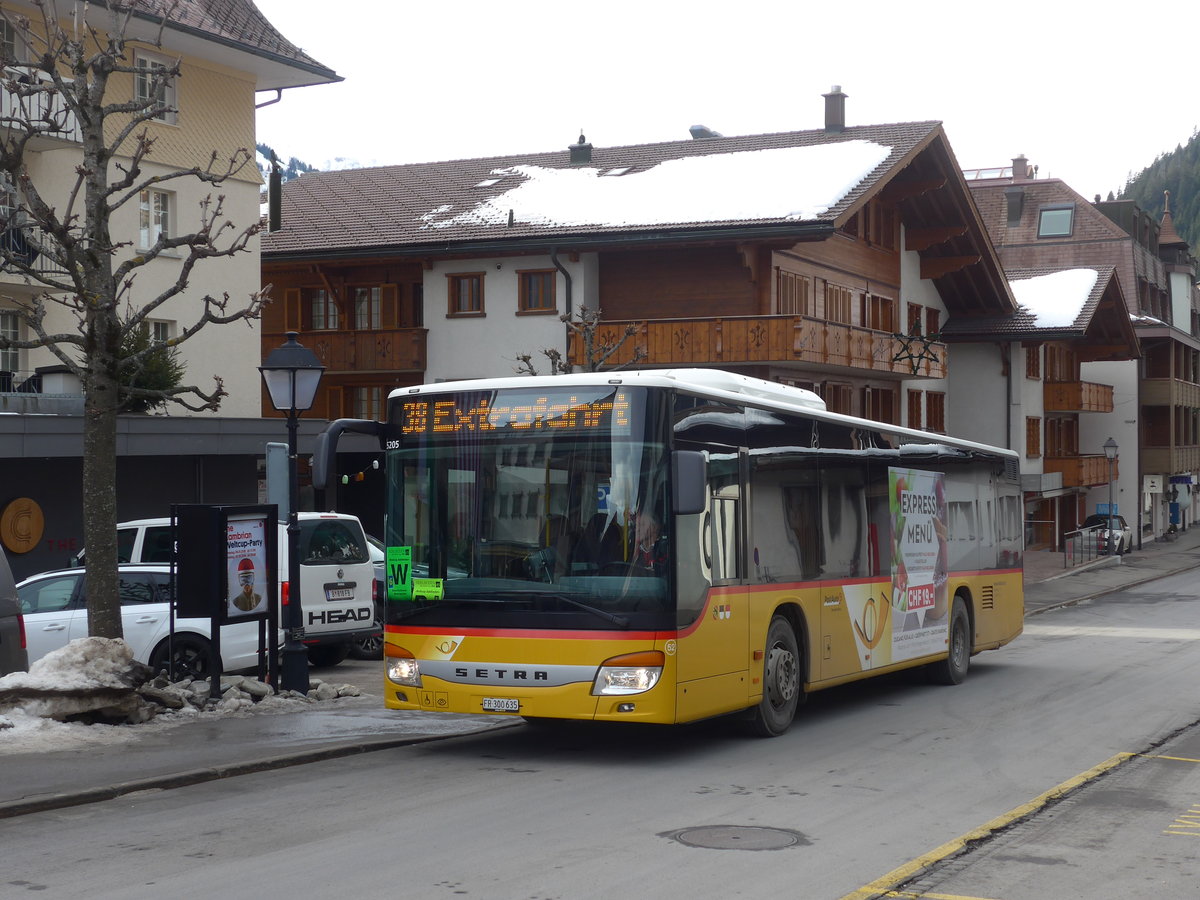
<point x="953" y="669"/>
<point x="781" y="681"/>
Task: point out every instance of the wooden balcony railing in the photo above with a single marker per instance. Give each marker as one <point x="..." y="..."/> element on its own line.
<point x="1077" y="396"/>
<point x="1170" y="459"/>
<point x="765" y="339"/>
<point x="1170" y="392"/>
<point x="1081" y="471"/>
<point x="381" y="350"/>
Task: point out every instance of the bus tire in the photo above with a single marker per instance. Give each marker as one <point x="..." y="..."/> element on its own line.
<point x="782" y="681"/>
<point x="953" y="669"/>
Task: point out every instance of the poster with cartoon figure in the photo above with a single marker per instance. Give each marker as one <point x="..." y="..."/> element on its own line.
<point x="917" y="501"/>
<point x="246" y="562"/>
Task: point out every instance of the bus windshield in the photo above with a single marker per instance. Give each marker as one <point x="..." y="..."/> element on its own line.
<point x="531" y="508"/>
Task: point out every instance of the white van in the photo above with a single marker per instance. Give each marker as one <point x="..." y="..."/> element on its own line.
<point x="337" y="579"/>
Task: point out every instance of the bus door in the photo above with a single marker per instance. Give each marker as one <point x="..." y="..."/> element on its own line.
<point x="713" y="609"/>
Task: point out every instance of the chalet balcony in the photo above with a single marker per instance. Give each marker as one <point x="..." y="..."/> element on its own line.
<point x="46" y="111"/>
<point x="757" y="340"/>
<point x="1171" y="459"/>
<point x="378" y="350"/>
<point x="24" y="245"/>
<point x="1081" y="471"/>
<point x="1077" y="397"/>
<point x="1170" y="392"/>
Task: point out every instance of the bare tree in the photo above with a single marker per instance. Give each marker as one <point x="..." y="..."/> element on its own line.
<point x="59" y="237"/>
<point x="598" y="347"/>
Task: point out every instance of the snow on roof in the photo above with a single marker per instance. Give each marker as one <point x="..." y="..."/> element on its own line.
<point x="1055" y="300"/>
<point x="797" y="183"/>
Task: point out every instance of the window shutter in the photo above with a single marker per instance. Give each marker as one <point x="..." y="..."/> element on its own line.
<point x="389" y="297"/>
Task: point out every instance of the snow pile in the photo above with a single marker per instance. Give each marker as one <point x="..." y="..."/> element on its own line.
<point x="96" y="682"/>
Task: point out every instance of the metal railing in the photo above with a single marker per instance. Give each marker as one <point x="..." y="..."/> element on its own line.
<point x="1082" y="546"/>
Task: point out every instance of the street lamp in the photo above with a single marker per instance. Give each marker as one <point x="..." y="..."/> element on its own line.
<point x="1110" y="451"/>
<point x="291" y="373"/>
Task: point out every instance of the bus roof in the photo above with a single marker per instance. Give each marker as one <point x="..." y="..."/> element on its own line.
<point x="715" y="383"/>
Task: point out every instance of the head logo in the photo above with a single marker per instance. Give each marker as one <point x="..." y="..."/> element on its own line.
<point x="447" y="646"/>
<point x="722" y="611"/>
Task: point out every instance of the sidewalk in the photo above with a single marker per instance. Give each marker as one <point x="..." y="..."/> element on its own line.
<point x="1049" y="585"/>
<point x="208" y="749"/>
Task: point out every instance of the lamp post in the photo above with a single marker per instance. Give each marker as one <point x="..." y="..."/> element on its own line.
<point x="1110" y="451"/>
<point x="291" y="373"/>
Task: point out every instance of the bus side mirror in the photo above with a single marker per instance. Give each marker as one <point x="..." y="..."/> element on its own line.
<point x="324" y="458"/>
<point x="689" y="488"/>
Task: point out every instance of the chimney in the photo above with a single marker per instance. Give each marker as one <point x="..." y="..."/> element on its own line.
<point x="700" y="132"/>
<point x="581" y="152"/>
<point x="1020" y="168"/>
<point x="835" y="110"/>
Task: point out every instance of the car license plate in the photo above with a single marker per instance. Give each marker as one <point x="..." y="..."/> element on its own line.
<point x="501" y="704"/>
<point x="339" y="593"/>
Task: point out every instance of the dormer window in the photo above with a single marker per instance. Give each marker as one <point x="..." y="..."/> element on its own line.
<point x="1056" y="221"/>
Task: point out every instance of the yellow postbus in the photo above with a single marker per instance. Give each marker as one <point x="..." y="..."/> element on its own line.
<point x="671" y="545"/>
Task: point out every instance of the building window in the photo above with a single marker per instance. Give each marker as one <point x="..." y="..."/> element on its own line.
<point x="10" y="360"/>
<point x="366" y="308"/>
<point x="368" y="403"/>
<point x="880" y="404"/>
<point x="879" y="313"/>
<point x="838" y="301"/>
<point x="791" y="294"/>
<point x="152" y="86"/>
<point x="323" y="312"/>
<point x="537" y="291"/>
<point x="1055" y="221"/>
<point x="914" y="409"/>
<point x="1033" y="361"/>
<point x="160" y="332"/>
<point x="933" y="321"/>
<point x="466" y="294"/>
<point x="154" y="217"/>
<point x="1033" y="437"/>
<point x="838" y="397"/>
<point x="935" y="411"/>
<point x="11" y="47"/>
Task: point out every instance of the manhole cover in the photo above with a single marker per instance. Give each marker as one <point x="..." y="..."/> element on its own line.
<point x="738" y="837"/>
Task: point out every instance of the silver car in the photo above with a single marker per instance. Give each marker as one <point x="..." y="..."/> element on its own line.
<point x="13" y="655"/>
<point x="1122" y="534"/>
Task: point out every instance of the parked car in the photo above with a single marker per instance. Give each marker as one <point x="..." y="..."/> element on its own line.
<point x="1122" y="536"/>
<point x="13" y="655"/>
<point x="337" y="580"/>
<point x="371" y="646"/>
<point x="55" y="610"/>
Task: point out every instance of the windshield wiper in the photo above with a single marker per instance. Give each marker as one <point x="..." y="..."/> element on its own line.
<point x="618" y="620"/>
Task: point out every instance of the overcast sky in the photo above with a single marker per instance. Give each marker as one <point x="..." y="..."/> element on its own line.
<point x="1089" y="92"/>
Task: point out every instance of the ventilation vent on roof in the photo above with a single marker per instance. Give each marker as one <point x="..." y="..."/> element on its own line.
<point x="703" y="131"/>
<point x="581" y="151"/>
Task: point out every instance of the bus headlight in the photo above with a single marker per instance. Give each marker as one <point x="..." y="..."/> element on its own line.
<point x="632" y="673"/>
<point x="402" y="667"/>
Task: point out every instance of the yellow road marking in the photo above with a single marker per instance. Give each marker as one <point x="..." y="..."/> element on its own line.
<point x="1177" y="758"/>
<point x="911" y="896"/>
<point x="884" y="887"/>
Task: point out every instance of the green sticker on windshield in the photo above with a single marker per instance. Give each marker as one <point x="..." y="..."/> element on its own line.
<point x="399" y="573"/>
<point x="427" y="589"/>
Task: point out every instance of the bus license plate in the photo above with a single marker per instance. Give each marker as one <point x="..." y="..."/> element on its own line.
<point x="501" y="704"/>
<point x="339" y="593"/>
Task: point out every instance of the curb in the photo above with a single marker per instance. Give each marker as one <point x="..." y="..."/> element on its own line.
<point x="1075" y="601"/>
<point x="10" y="809"/>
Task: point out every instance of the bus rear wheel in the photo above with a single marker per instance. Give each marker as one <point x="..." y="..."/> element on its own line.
<point x="953" y="669"/>
<point x="782" y="688"/>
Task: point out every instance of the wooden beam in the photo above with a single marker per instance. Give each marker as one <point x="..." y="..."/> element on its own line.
<point x="936" y="267"/>
<point x="903" y="190"/>
<point x="923" y="238"/>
